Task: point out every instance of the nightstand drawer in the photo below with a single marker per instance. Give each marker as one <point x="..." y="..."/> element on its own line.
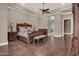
<point x="12" y="33"/>
<point x="12" y="36"/>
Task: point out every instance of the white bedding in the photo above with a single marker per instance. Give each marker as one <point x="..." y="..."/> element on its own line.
<point x="23" y="33"/>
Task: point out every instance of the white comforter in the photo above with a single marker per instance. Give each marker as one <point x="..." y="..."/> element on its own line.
<point x="23" y="33"/>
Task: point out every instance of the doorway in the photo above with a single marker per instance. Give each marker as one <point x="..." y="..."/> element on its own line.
<point x="67" y="26"/>
<point x="68" y="32"/>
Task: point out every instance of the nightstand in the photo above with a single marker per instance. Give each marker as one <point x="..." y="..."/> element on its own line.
<point x="12" y="36"/>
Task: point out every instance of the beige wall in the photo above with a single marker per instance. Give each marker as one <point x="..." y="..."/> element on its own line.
<point x="8" y="15"/>
<point x="59" y="23"/>
<point x="43" y="22"/>
<point x="16" y="16"/>
<point x="3" y="24"/>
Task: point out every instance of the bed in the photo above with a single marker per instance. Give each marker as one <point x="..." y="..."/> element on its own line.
<point x="22" y="33"/>
<point x="26" y="32"/>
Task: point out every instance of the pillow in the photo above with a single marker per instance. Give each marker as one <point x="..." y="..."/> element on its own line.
<point x="25" y="31"/>
<point x="29" y="29"/>
<point x="21" y="29"/>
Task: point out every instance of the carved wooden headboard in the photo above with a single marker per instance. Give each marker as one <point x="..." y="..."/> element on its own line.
<point x="23" y="25"/>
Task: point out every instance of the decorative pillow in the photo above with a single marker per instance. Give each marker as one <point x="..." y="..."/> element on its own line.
<point x="25" y="31"/>
<point x="29" y="29"/>
<point x="21" y="29"/>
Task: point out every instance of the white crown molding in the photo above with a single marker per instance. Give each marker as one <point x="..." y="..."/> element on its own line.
<point x="59" y="11"/>
<point x="67" y="13"/>
<point x="3" y="44"/>
<point x="19" y="10"/>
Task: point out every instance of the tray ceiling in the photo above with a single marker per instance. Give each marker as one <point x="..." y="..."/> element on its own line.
<point x="37" y="6"/>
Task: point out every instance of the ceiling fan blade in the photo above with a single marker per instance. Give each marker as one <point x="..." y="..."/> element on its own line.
<point x="46" y="9"/>
<point x="47" y="12"/>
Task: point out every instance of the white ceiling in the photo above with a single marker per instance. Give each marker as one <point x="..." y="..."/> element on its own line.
<point x="52" y="6"/>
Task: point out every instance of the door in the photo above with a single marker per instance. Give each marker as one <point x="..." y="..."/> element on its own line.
<point x="67" y="26"/>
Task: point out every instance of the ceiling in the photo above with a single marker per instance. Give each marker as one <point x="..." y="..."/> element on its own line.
<point x="52" y="6"/>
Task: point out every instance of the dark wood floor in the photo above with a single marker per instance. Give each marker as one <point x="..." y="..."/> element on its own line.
<point x="51" y="47"/>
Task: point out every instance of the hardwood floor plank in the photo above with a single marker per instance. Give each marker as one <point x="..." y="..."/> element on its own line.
<point x="51" y="47"/>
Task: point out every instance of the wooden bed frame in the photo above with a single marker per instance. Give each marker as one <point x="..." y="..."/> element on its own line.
<point x="22" y="25"/>
<point x="20" y="37"/>
<point x="31" y="35"/>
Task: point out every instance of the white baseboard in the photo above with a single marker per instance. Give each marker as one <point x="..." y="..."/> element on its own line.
<point x="68" y="33"/>
<point x="51" y="34"/>
<point x="58" y="35"/>
<point x="5" y="43"/>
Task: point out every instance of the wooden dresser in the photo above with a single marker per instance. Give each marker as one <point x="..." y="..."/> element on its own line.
<point x="12" y="36"/>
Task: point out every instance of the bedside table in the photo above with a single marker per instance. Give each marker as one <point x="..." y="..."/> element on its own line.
<point x="12" y="36"/>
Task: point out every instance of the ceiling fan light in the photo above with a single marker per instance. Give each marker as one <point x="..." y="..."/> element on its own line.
<point x="44" y="10"/>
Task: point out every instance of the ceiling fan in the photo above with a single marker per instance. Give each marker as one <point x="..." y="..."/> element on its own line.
<point x="45" y="10"/>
